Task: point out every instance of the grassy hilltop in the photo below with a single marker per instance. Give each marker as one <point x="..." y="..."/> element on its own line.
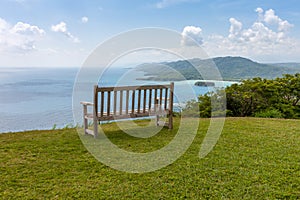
<point x="253" y="159"/>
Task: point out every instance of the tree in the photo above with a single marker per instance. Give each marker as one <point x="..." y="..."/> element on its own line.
<point x="253" y="97"/>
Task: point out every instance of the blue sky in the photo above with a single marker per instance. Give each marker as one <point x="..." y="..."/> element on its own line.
<point x="65" y="32"/>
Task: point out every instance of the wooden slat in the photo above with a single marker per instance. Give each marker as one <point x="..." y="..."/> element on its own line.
<point x="115" y="102"/>
<point x="160" y="98"/>
<point x="155" y="99"/>
<point x="171" y="105"/>
<point x="108" y="103"/>
<point x="123" y="116"/>
<point x="95" y="109"/>
<point x="102" y="104"/>
<point x="121" y="102"/>
<point x="127" y="101"/>
<point x="133" y="101"/>
<point x="139" y="101"/>
<point x="166" y="98"/>
<point x="106" y="118"/>
<point x="143" y="87"/>
<point x="144" y="102"/>
<point x="150" y="99"/>
<point x="90" y="115"/>
<point x="136" y="115"/>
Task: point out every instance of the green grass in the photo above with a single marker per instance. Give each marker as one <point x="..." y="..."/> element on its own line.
<point x="253" y="159"/>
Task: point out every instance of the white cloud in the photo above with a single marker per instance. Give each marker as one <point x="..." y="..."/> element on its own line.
<point x="260" y="13"/>
<point x="259" y="10"/>
<point x="27" y="29"/>
<point x="235" y="28"/>
<point x="191" y="36"/>
<point x="84" y="19"/>
<point x="167" y="3"/>
<point x="4" y="26"/>
<point x="62" y="28"/>
<point x="20" y="38"/>
<point x="271" y="18"/>
<point x="266" y="37"/>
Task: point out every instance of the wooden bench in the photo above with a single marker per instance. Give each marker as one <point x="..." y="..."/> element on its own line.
<point x="128" y="102"/>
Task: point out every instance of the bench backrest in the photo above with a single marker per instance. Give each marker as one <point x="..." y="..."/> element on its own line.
<point x="132" y="101"/>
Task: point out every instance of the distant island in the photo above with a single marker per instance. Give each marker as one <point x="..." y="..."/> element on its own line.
<point x="230" y="68"/>
<point x="205" y="84"/>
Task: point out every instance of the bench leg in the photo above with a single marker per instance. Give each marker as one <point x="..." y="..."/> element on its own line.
<point x="171" y="105"/>
<point x="85" y="120"/>
<point x="156" y="109"/>
<point x="95" y="126"/>
<point x="170" y="120"/>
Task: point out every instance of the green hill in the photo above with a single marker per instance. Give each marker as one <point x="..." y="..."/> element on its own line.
<point x="295" y="66"/>
<point x="231" y="68"/>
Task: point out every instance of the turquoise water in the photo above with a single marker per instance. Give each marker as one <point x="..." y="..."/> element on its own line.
<point x="35" y="98"/>
<point x="39" y="98"/>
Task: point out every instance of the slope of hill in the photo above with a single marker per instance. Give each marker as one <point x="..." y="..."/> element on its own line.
<point x="293" y="65"/>
<point x="231" y="68"/>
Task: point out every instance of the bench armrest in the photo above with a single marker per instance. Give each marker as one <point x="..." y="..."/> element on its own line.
<point x="85" y="103"/>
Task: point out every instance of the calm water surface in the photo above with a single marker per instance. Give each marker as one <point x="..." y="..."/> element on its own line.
<point x="39" y="98"/>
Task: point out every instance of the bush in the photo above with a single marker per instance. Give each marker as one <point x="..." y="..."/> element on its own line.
<point x="269" y="113"/>
<point x="278" y="98"/>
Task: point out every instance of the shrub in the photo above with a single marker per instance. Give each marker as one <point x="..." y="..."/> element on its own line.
<point x="269" y="113"/>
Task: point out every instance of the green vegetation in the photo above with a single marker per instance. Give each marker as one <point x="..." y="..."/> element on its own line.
<point x="288" y="65"/>
<point x="231" y="68"/>
<point x="253" y="159"/>
<point x="278" y="98"/>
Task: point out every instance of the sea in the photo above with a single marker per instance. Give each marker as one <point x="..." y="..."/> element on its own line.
<point x="39" y="98"/>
